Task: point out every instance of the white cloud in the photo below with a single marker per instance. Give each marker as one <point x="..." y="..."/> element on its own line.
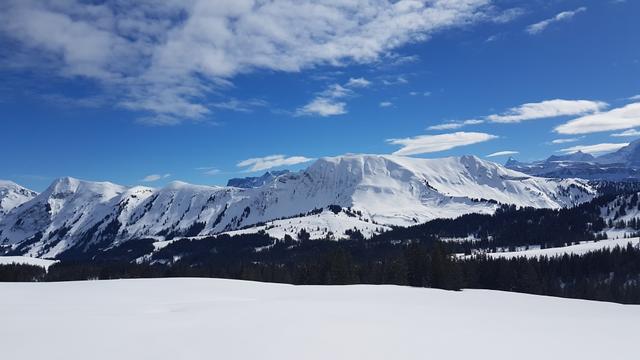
<point x="455" y="124"/>
<point x="565" y="141"/>
<point x="433" y="143"/>
<point x="626" y="117"/>
<point x="563" y="16"/>
<point x="416" y="93"/>
<point x="634" y="98"/>
<point x="548" y="109"/>
<point x="398" y="80"/>
<point x="208" y="170"/>
<point x="627" y="133"/>
<point x="163" y="58"/>
<point x="386" y="104"/>
<point x="240" y="105"/>
<point x="594" y="149"/>
<point x="323" y="107"/>
<point x="503" y="153"/>
<point x="358" y="82"/>
<point x="268" y="162"/>
<point x="326" y="102"/>
<point x="155" y="177"/>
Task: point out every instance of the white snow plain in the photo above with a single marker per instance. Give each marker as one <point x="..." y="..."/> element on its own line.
<point x="225" y="319"/>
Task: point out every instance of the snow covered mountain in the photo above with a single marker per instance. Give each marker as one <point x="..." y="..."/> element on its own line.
<point x="13" y="195"/>
<point x="254" y="182"/>
<point x="368" y="192"/>
<point x="622" y="164"/>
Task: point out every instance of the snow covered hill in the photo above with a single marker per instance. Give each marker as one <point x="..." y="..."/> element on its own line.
<point x="213" y="318"/>
<point x="367" y="192"/>
<point x="13" y="195"/>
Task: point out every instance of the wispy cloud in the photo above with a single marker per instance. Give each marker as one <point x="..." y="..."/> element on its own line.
<point x="328" y="102"/>
<point x="565" y="141"/>
<point x="358" y="82"/>
<point x="539" y="27"/>
<point x="323" y="107"/>
<point x="155" y="177"/>
<point x="162" y="59"/>
<point x="503" y="153"/>
<point x="455" y="124"/>
<point x="625" y="117"/>
<point x="240" y="105"/>
<point x="398" y="80"/>
<point x="386" y="104"/>
<point x="627" y="133"/>
<point x="547" y="109"/>
<point x="596" y="149"/>
<point x="209" y="170"/>
<point x="272" y="161"/>
<point x="433" y="143"/>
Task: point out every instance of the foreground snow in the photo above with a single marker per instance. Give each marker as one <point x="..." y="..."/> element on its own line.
<point x="211" y="318"/>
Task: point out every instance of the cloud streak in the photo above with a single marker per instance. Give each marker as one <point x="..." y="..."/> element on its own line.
<point x="455" y="124"/>
<point x="547" y="109"/>
<point x="155" y="177"/>
<point x="271" y="161"/>
<point x="503" y="153"/>
<point x="425" y="144"/>
<point x="625" y="117"/>
<point x="596" y="149"/>
<point x="627" y="133"/>
<point x="541" y="26"/>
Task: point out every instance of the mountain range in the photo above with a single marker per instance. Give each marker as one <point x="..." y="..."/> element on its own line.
<point x="620" y="165"/>
<point x="370" y="193"/>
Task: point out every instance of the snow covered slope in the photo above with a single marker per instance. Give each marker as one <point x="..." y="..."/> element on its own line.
<point x="382" y="189"/>
<point x="212" y="318"/>
<point x="13" y="195"/>
<point x="25" y="260"/>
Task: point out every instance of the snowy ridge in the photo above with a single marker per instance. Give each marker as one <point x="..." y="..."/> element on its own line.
<point x="384" y="190"/>
<point x="13" y="195"/>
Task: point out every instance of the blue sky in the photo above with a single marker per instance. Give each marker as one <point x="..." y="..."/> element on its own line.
<point x="201" y="91"/>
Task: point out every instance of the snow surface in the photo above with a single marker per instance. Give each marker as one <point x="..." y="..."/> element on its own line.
<point x="319" y="226"/>
<point x="225" y="319"/>
<point x="578" y="249"/>
<point x="26" y="260"/>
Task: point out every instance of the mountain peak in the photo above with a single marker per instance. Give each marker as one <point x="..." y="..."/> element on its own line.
<point x="256" y="181"/>
<point x="13" y="195"/>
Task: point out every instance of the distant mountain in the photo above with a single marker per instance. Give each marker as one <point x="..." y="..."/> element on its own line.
<point x="620" y="165"/>
<point x="254" y="182"/>
<point x="328" y="199"/>
<point x="13" y="195"/>
<point x="628" y="155"/>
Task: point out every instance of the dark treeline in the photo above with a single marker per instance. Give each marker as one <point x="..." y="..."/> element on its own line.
<point x="601" y="275"/>
<point x="510" y="226"/>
